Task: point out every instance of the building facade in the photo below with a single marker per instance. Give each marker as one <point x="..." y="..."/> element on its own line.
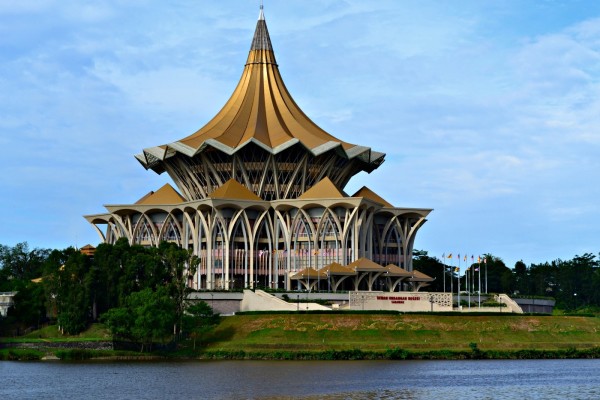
<point x="260" y="195"/>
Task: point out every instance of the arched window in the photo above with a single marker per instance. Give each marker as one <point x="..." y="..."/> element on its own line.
<point x="143" y="234"/>
<point x="171" y="232"/>
<point x="218" y="255"/>
<point x="392" y="247"/>
<point x="329" y="242"/>
<point x="239" y="255"/>
<point x="262" y="254"/>
<point x="302" y="244"/>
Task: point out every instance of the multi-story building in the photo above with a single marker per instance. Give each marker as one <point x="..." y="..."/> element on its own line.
<point x="260" y="195"/>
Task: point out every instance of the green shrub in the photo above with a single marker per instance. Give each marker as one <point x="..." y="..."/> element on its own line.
<point x="75" y="354"/>
<point x="397" y="354"/>
<point x="20" y="355"/>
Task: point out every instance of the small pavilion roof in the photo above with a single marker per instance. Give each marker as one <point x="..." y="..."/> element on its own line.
<point x="337" y="269"/>
<point x="164" y="195"/>
<point x="418" y="276"/>
<point x="260" y="111"/>
<point x="324" y="189"/>
<point x="365" y="265"/>
<point x="371" y="195"/>
<point x="394" y="270"/>
<point x="308" y="273"/>
<point x="232" y="189"/>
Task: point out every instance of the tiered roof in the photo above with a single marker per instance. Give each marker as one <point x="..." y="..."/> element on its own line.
<point x="165" y="195"/>
<point x="260" y="111"/>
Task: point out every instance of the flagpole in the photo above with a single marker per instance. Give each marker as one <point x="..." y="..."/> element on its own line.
<point x="485" y="263"/>
<point x="459" y="284"/>
<point x="452" y="282"/>
<point x="319" y="275"/>
<point x="479" y="270"/>
<point x="468" y="291"/>
<point x="444" y="270"/>
<point x="473" y="275"/>
<point x="458" y="291"/>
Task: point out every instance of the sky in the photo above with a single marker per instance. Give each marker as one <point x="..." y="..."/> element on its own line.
<point x="488" y="112"/>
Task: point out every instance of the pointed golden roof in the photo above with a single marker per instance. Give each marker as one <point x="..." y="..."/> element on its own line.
<point x="232" y="189"/>
<point x="308" y="273"/>
<point x="260" y="111"/>
<point x="371" y="195"/>
<point x="394" y="270"/>
<point x="337" y="269"/>
<point x="164" y="195"/>
<point x="364" y="264"/>
<point x="88" y="250"/>
<point x="324" y="189"/>
<point x="418" y="276"/>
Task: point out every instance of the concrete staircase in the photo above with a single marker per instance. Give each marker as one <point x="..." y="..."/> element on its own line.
<point x="510" y="303"/>
<point x="261" y="301"/>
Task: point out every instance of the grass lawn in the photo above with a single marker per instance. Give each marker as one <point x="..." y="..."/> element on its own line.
<point x="96" y="332"/>
<point x="268" y="333"/>
<point x="319" y="332"/>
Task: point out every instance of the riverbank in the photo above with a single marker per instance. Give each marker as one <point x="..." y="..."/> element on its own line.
<point x="296" y="336"/>
<point x="414" y="332"/>
<point x="475" y="353"/>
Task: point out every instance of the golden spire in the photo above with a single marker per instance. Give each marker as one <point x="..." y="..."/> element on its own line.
<point x="260" y="111"/>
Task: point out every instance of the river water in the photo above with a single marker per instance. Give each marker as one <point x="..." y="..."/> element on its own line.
<point x="329" y="380"/>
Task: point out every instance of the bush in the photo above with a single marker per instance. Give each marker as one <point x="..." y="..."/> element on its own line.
<point x="75" y="354"/>
<point x="20" y="355"/>
<point x="397" y="354"/>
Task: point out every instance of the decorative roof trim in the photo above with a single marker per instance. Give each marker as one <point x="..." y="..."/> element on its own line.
<point x="262" y="111"/>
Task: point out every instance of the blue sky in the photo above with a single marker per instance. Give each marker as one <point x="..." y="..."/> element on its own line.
<point x="489" y="112"/>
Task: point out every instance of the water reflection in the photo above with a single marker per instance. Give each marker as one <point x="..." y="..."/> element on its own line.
<point x="532" y="379"/>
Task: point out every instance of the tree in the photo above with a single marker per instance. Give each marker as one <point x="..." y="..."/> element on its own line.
<point x="499" y="276"/>
<point x="20" y="264"/>
<point x="432" y="267"/>
<point x="29" y="308"/>
<point x="180" y="265"/>
<point x="522" y="281"/>
<point x="198" y="320"/>
<point x="119" y="321"/>
<point x="146" y="317"/>
<point x="69" y="290"/>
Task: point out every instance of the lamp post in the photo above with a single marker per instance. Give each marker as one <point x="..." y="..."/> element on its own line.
<point x="307" y="296"/>
<point x="575" y="296"/>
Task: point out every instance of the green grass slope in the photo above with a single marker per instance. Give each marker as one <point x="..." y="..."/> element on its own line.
<point x="319" y="332"/>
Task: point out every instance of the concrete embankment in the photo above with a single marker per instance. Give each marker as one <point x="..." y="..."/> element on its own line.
<point x="37" y="345"/>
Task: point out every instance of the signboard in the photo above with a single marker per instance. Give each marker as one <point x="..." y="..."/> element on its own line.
<point x="401" y="301"/>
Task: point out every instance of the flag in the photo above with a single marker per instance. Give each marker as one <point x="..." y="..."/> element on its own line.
<point x="477" y="269"/>
<point x="450" y="255"/>
<point x="472" y="257"/>
<point x="478" y="259"/>
<point x="443" y="256"/>
<point x="456" y="269"/>
<point x="485" y="260"/>
<point x="465" y="259"/>
<point x="458" y="256"/>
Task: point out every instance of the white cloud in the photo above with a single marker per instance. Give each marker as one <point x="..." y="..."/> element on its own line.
<point x="482" y="119"/>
